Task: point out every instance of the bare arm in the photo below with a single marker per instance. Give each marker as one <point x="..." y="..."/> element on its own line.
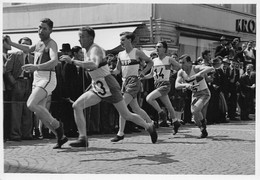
<point x="117" y="69"/>
<point x="176" y="65"/>
<point x="96" y="57"/>
<point x="149" y="76"/>
<point x="53" y="53"/>
<point x="149" y="62"/>
<point x="202" y="70"/>
<point x="23" y="47"/>
<point x="179" y="82"/>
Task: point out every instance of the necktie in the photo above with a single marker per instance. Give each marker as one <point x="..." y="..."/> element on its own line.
<point x="233" y="74"/>
<point x="26" y="74"/>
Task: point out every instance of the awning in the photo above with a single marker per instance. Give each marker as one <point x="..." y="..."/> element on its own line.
<point x="107" y="38"/>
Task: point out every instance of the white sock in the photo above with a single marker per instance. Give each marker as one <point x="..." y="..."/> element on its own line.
<point x="120" y="133"/>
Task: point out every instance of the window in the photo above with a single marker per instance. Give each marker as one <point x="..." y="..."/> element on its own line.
<point x="249" y="8"/>
<point x="195" y="46"/>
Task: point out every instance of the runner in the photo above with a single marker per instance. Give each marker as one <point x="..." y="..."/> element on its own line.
<point x="104" y="87"/>
<point x="192" y="77"/>
<point x="161" y="72"/>
<point x="45" y="60"/>
<point x="129" y="64"/>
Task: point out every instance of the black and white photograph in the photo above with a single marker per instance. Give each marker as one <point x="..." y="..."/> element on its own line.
<point x="129" y="89"/>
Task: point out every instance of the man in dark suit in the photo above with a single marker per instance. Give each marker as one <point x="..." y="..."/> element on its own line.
<point x="19" y="83"/>
<point x="233" y="88"/>
<point x="247" y="88"/>
<point x="6" y="93"/>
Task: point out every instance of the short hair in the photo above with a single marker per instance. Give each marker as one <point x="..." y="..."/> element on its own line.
<point x="251" y="66"/>
<point x="75" y="49"/>
<point x="185" y="56"/>
<point x="47" y="21"/>
<point x="25" y="39"/>
<point x="89" y="30"/>
<point x="205" y="52"/>
<point x="175" y="54"/>
<point x="128" y="35"/>
<point x="165" y="45"/>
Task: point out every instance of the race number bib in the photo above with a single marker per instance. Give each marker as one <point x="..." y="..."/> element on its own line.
<point x="159" y="73"/>
<point x="195" y="88"/>
<point x="101" y="88"/>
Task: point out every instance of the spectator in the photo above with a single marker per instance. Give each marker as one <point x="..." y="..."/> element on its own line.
<point x="206" y="56"/>
<point x="247" y="88"/>
<point x="6" y="93"/>
<point x="217" y="108"/>
<point x="75" y="81"/>
<point x="223" y="49"/>
<point x="198" y="61"/>
<point x="20" y="83"/>
<point x="232" y="89"/>
<point x="249" y="54"/>
<point x="235" y="48"/>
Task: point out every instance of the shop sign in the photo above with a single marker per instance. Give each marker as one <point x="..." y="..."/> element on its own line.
<point x="144" y="39"/>
<point x="247" y="26"/>
<point x="172" y="40"/>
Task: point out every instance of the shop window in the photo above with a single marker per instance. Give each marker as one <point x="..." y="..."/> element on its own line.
<point x="249" y="8"/>
<point x="195" y="46"/>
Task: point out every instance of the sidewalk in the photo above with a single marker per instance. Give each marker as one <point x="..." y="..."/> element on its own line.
<point x="228" y="150"/>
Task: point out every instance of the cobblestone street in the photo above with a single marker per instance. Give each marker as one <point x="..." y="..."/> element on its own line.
<point x="229" y="150"/>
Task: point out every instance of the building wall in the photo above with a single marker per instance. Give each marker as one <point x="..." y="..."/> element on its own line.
<point x="69" y="15"/>
<point x="160" y="21"/>
<point x="204" y="17"/>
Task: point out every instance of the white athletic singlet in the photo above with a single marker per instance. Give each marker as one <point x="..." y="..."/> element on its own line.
<point x="100" y="72"/>
<point x="200" y="82"/>
<point x="162" y="69"/>
<point x="130" y="64"/>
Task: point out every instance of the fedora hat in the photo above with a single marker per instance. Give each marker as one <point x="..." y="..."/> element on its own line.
<point x="65" y="47"/>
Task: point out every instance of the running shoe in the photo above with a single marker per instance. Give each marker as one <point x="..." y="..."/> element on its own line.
<point x="117" y="138"/>
<point x="60" y="142"/>
<point x="176" y="125"/>
<point x="153" y="133"/>
<point x="79" y="143"/>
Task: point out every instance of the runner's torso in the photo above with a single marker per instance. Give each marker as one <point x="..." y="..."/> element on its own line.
<point x="102" y="70"/>
<point x="129" y="63"/>
<point x="42" y="53"/>
<point x="201" y="83"/>
<point x="162" y="69"/>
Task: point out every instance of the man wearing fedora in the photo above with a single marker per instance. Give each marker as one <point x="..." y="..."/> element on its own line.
<point x="217" y="106"/>
<point x="59" y="107"/>
<point x="65" y="50"/>
<point x="223" y="49"/>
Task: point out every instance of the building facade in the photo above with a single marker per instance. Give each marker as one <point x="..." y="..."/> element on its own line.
<point x="188" y="28"/>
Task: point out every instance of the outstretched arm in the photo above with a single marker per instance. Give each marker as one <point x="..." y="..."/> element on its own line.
<point x="23" y="47"/>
